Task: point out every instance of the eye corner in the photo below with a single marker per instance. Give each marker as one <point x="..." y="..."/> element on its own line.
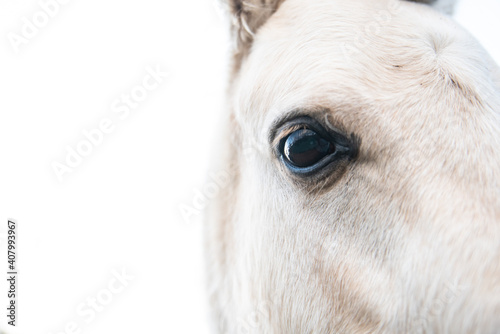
<point x="355" y="144"/>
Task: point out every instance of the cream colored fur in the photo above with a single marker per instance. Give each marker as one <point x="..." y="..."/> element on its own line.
<point x="407" y="239"/>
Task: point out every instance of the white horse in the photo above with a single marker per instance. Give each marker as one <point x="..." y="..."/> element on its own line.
<point x="363" y="144"/>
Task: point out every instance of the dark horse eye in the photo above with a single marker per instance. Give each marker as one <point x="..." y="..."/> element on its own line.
<point x="305" y="148"/>
<point x="309" y="149"/>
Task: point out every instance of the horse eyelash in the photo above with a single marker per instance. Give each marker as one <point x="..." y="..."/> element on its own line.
<point x="288" y="132"/>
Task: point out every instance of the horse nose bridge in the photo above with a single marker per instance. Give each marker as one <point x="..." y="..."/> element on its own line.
<point x="461" y="193"/>
<point x="464" y="174"/>
<point x="474" y="202"/>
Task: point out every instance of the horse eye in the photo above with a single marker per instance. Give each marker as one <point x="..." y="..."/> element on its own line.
<point x="305" y="148"/>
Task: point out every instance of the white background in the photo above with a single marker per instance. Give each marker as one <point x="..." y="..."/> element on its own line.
<point x="120" y="207"/>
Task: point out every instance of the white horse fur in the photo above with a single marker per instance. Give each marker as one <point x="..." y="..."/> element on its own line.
<point x="402" y="238"/>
